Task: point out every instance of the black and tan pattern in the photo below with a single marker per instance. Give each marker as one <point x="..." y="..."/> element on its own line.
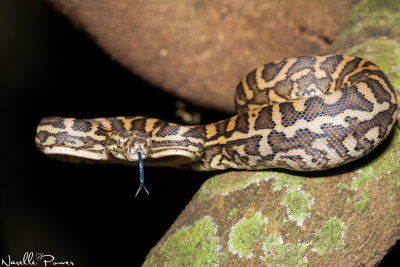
<point x="305" y="113"/>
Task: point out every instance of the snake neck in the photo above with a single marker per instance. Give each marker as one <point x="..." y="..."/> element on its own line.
<point x="226" y="144"/>
<point x="174" y="145"/>
<point x="279" y="135"/>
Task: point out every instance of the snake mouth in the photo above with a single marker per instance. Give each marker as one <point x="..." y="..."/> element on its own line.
<point x="173" y="160"/>
<point x="161" y="158"/>
<point x="68" y="154"/>
<point x="169" y="157"/>
<point x="72" y="152"/>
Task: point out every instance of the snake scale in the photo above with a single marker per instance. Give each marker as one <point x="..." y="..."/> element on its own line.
<point x="306" y="113"/>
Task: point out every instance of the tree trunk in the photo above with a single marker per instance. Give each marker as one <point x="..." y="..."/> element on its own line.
<point x="199" y="50"/>
<point x="345" y="216"/>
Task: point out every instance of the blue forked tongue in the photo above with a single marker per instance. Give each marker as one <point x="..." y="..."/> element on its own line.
<point x="141" y="175"/>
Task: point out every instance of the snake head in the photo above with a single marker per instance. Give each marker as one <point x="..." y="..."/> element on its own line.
<point x="126" y="144"/>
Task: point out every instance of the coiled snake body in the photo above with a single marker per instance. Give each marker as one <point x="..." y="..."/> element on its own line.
<point x="306" y="113"/>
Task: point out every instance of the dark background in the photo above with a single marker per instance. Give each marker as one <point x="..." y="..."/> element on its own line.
<point x="83" y="213"/>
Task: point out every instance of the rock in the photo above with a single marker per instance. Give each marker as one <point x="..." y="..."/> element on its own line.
<point x="199" y="50"/>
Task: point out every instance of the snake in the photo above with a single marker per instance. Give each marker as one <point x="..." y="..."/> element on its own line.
<point x="305" y="113"/>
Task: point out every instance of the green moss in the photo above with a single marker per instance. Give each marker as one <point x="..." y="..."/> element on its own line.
<point x="271" y="243"/>
<point x="210" y="187"/>
<point x="285" y="180"/>
<point x="194" y="246"/>
<point x="277" y="253"/>
<point x="233" y="212"/>
<point x="386" y="163"/>
<point x="362" y="202"/>
<point x="367" y="7"/>
<point x="245" y="234"/>
<point x="372" y="19"/>
<point x="379" y="168"/>
<point x="329" y="237"/>
<point x="394" y="180"/>
<point x="320" y="180"/>
<point x="298" y="204"/>
<point x="215" y="185"/>
<point x="289" y="255"/>
<point x="359" y="182"/>
<point x="373" y="15"/>
<point x="391" y="162"/>
<point x="149" y="263"/>
<point x="360" y="199"/>
<point x="342" y="187"/>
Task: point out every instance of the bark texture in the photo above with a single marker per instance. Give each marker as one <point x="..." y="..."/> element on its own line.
<point x="199" y="50"/>
<point x="348" y="216"/>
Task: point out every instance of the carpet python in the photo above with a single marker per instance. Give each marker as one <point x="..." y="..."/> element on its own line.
<point x="305" y="113"/>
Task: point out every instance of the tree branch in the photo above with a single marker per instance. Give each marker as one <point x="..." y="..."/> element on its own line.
<point x="345" y="216"/>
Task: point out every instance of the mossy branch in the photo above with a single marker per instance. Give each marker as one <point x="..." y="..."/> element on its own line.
<point x="345" y="216"/>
